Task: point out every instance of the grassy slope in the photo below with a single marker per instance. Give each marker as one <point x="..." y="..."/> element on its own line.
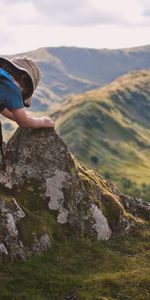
<point x="90" y="270"/>
<point x="108" y="129"/>
<point x="72" y="70"/>
<point x="67" y="71"/>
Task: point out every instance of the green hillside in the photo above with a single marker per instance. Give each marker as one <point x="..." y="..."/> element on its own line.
<point x="67" y="71"/>
<point x="108" y="129"/>
<point x="79" y="269"/>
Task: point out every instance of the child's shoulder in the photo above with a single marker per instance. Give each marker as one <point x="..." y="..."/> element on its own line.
<point x="9" y="86"/>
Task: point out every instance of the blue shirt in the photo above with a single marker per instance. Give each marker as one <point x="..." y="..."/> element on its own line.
<point x="10" y="94"/>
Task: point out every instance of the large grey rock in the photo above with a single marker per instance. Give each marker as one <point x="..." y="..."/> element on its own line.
<point x="46" y="194"/>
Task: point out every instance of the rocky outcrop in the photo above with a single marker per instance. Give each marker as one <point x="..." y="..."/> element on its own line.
<point x="47" y="195"/>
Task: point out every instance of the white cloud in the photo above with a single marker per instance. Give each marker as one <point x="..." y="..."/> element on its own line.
<point x="29" y="24"/>
<point x="92" y="12"/>
<point x="6" y="38"/>
<point x="146" y="7"/>
<point x="78" y="12"/>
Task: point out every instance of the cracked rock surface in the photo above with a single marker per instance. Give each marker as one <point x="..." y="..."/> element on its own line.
<point x="47" y="195"/>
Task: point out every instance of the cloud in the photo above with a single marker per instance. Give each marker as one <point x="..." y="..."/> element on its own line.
<point x="57" y="6"/>
<point x="146" y="7"/>
<point x="89" y="12"/>
<point x="78" y="13"/>
<point x="30" y="24"/>
<point x="7" y="39"/>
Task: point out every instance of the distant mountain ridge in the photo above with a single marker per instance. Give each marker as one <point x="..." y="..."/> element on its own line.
<point x="69" y="70"/>
<point x="109" y="129"/>
<point x="72" y="70"/>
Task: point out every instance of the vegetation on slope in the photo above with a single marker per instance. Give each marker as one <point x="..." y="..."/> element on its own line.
<point x="108" y="129"/>
<point x="81" y="269"/>
<point x="68" y="71"/>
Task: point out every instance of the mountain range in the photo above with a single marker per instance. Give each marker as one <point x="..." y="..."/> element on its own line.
<point x="71" y="70"/>
<point x="67" y="71"/>
<point x="108" y="129"/>
<point x="115" y="127"/>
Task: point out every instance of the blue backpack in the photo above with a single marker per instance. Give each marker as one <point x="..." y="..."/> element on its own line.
<point x="1" y="146"/>
<point x="5" y="74"/>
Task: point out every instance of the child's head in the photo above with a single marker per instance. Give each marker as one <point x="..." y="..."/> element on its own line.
<point x="22" y="78"/>
<point x="26" y="72"/>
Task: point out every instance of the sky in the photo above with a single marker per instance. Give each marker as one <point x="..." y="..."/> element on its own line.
<point x="30" y="24"/>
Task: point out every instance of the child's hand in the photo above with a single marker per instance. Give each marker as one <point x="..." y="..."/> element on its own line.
<point x="25" y="121"/>
<point x="48" y="122"/>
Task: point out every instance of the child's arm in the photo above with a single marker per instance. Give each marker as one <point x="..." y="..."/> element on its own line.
<point x="25" y="121"/>
<point x="8" y="114"/>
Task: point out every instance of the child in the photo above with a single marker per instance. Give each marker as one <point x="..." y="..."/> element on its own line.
<point x="19" y="78"/>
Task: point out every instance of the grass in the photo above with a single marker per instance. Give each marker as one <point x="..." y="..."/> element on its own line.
<point x="88" y="269"/>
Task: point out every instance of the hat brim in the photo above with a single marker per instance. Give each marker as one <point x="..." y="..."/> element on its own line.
<point x="3" y="60"/>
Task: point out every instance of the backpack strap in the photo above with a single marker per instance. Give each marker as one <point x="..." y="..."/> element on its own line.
<point x="1" y="146"/>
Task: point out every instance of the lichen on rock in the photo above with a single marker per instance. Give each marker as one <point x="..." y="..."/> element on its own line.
<point x="101" y="224"/>
<point x="46" y="194"/>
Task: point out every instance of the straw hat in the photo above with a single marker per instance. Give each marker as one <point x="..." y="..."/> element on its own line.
<point x="28" y="65"/>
